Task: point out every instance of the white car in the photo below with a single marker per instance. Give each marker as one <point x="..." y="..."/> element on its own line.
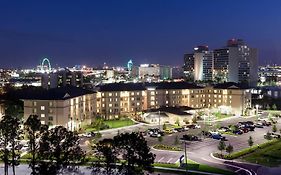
<point x="25" y="148"/>
<point x="88" y="135"/>
<point x="197" y="126"/>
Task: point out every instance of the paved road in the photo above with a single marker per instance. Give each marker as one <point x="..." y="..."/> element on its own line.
<point x="200" y="151"/>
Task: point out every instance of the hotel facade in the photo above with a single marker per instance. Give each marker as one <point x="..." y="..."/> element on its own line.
<point x="75" y="107"/>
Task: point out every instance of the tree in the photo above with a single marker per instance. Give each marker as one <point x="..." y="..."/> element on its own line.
<point x="107" y="155"/>
<point x="268" y="136"/>
<point x="250" y="141"/>
<point x="274" y="128"/>
<point x="164" y="126"/>
<point x="221" y="146"/>
<point x="229" y="149"/>
<point x="60" y="148"/>
<point x="274" y="107"/>
<point x="160" y="139"/>
<point x="32" y="128"/>
<point x="267" y="107"/>
<point x="135" y="152"/>
<point x="194" y="119"/>
<point x="177" y="122"/>
<point x="176" y="142"/>
<point x="10" y="133"/>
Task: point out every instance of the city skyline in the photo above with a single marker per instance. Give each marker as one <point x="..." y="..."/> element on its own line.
<point x="93" y="32"/>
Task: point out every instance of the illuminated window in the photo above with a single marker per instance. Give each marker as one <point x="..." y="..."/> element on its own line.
<point x="110" y="94"/>
<point x="42" y="108"/>
<point x="152" y="103"/>
<point x="42" y="115"/>
<point x="110" y="105"/>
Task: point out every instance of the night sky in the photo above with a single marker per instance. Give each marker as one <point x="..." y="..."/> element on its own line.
<point x="147" y="31"/>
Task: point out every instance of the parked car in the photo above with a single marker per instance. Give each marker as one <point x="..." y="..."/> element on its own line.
<point x="259" y="125"/>
<point x="189" y="137"/>
<point x="206" y="134"/>
<point x="155" y="135"/>
<point x="218" y="137"/>
<point x="273" y="135"/>
<point x="168" y="131"/>
<point x="223" y="129"/>
<point x="244" y="129"/>
<point x="179" y="129"/>
<point x="237" y="132"/>
<point x="185" y="127"/>
<point x="193" y="126"/>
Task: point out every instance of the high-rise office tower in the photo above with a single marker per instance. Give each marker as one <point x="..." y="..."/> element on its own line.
<point x="189" y="66"/>
<point x="237" y="62"/>
<point x="199" y="64"/>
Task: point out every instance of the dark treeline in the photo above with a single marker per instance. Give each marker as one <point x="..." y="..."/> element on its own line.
<point x="57" y="150"/>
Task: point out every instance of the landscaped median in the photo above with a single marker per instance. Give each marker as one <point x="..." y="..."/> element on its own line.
<point x="268" y="154"/>
<point x="192" y="167"/>
<point x="167" y="147"/>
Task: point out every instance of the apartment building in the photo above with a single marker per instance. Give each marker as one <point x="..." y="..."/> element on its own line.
<point x="68" y="106"/>
<point x="131" y="99"/>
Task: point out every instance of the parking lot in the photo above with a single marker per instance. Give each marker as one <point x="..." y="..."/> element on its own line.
<point x="200" y="149"/>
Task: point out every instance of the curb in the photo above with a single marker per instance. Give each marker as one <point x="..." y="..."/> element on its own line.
<point x="235" y="166"/>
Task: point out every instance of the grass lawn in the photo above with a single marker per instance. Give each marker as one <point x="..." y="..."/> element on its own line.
<point x="219" y="115"/>
<point x="268" y="156"/>
<point x="197" y="167"/>
<point x="119" y="123"/>
<point x="112" y="124"/>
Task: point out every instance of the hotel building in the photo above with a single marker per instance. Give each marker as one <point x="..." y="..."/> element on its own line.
<point x="70" y="107"/>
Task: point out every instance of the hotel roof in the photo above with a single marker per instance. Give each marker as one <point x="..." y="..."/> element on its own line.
<point x="61" y="93"/>
<point x="144" y="86"/>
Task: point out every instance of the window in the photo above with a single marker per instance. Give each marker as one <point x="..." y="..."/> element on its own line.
<point x="42" y="115"/>
<point x="34" y="110"/>
<point x="34" y="103"/>
<point x="43" y="122"/>
<point x="50" y="118"/>
<point x="50" y="103"/>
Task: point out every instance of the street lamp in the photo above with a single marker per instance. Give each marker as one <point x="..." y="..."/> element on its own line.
<point x="257" y="110"/>
<point x="159" y="119"/>
<point x="185" y="158"/>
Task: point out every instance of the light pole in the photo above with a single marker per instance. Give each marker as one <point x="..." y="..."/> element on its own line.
<point x="159" y="119"/>
<point x="185" y="158"/>
<point x="257" y="110"/>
